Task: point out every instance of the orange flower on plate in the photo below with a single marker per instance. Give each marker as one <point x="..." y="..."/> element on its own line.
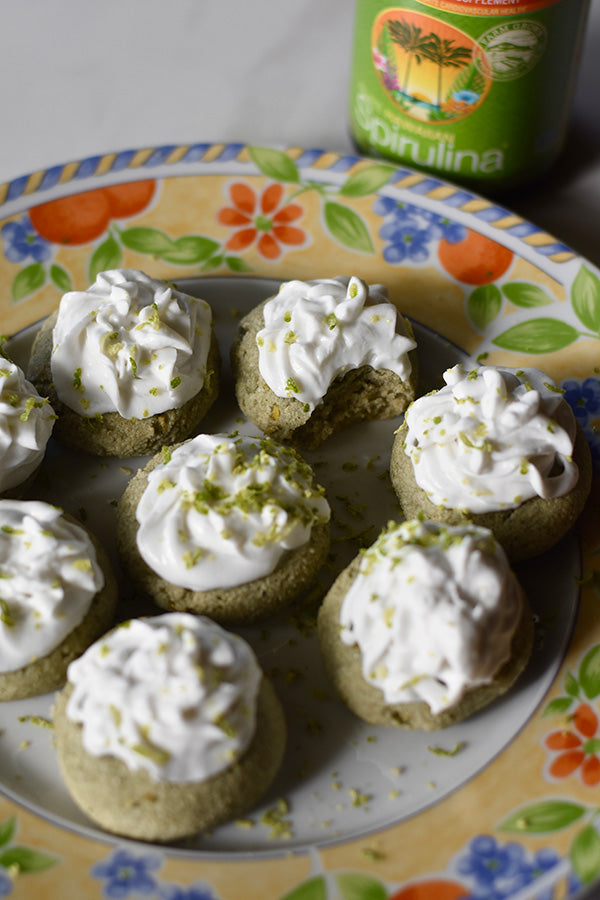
<point x="261" y="218"/>
<point x="577" y="748"/>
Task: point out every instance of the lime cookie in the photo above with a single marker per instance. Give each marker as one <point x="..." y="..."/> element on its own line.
<point x="427" y="626"/>
<point x="233" y="527"/>
<point x="167" y="728"/>
<point x="26" y="423"/>
<point x="57" y="595"/>
<point x="321" y="355"/>
<point x="130" y="364"/>
<point x="499" y="447"/>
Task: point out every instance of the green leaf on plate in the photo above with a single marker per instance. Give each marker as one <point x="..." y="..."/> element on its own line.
<point x="26" y="860"/>
<point x="147" y="240"/>
<point x="60" y="278"/>
<point x="585" y="297"/>
<point x="526" y="295"/>
<point x="28" y="281"/>
<point x="483" y="305"/>
<point x="275" y="164"/>
<point x="312" y="889"/>
<point x="547" y="815"/>
<point x="571" y="685"/>
<point x="558" y="706"/>
<point x="589" y="673"/>
<point x="367" y="181"/>
<point x="356" y="886"/>
<point x="237" y="265"/>
<point x="585" y="854"/>
<point x="7" y="830"/>
<point x="107" y="256"/>
<point x="189" y="250"/>
<point x="347" y="227"/>
<point x="213" y="262"/>
<point x="543" y="335"/>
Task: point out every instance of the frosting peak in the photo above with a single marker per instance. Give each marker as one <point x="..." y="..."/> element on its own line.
<point x="492" y="438"/>
<point x="316" y="331"/>
<point x="174" y="694"/>
<point x="129" y="344"/>
<point x="223" y="510"/>
<point x="26" y="423"/>
<point x="49" y="576"/>
<point x="433" y="611"/>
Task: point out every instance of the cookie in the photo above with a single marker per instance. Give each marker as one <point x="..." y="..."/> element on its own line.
<point x="26" y="423"/>
<point x="426" y="627"/>
<point x="57" y="595"/>
<point x="129" y="365"/>
<point x="232" y="527"/>
<point x="322" y="355"/>
<point x="498" y="447"/>
<point x="167" y="727"/>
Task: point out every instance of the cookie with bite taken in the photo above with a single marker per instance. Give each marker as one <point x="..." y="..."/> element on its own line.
<point x="321" y="355"/>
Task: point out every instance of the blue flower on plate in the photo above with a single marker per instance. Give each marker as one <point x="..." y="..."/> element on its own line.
<point x="499" y="870"/>
<point x="443" y="227"/>
<point x="487" y="861"/>
<point x="410" y="231"/>
<point x="197" y="891"/>
<point x="405" y="242"/>
<point x="21" y="241"/>
<point x="583" y="396"/>
<point x="6" y="883"/>
<point x="125" y="873"/>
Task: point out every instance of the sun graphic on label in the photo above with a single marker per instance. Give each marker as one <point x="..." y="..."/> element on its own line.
<point x="431" y="71"/>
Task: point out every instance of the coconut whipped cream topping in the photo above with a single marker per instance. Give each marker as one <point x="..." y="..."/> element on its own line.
<point x="26" y="423"/>
<point x="129" y="344"/>
<point x="316" y="331"/>
<point x="174" y="694"/>
<point x="492" y="438"/>
<point x="49" y="576"/>
<point x="223" y="510"/>
<point x="433" y="611"/>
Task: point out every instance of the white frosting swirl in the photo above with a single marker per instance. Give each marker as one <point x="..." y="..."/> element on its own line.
<point x="223" y="510"/>
<point x="491" y="439"/>
<point x="433" y="611"/>
<point x="26" y="423"/>
<point x="316" y="331"/>
<point x="129" y="344"/>
<point x="49" y="576"/>
<point x="174" y="695"/>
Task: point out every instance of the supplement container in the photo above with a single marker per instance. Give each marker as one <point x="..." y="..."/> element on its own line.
<point x="478" y="91"/>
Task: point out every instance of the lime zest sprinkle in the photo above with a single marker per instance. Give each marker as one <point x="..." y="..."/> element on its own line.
<point x="442" y="751"/>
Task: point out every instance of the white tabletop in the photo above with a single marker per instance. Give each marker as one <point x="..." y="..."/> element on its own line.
<point x="81" y="79"/>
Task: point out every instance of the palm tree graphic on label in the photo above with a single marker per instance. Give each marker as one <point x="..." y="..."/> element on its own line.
<point x="423" y="57"/>
<point x="411" y="39"/>
<point x="445" y="55"/>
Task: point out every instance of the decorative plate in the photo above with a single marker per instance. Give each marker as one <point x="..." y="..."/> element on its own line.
<point x="504" y="805"/>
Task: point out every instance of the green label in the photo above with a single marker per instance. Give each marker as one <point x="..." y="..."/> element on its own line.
<point x="477" y="96"/>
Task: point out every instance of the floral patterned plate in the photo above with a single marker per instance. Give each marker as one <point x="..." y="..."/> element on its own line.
<point x="501" y="806"/>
